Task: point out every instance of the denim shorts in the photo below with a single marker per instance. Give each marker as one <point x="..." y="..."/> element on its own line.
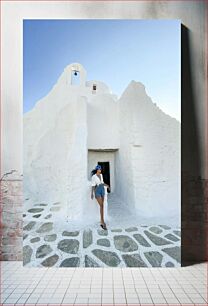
<point x="100" y="191"/>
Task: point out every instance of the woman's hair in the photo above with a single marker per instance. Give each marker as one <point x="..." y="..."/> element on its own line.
<point x="93" y="172"/>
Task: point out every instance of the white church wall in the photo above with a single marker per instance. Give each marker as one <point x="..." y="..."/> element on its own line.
<point x="77" y="165"/>
<point x="58" y="164"/>
<point x="101" y="87"/>
<point x="55" y="147"/>
<point x="123" y="169"/>
<point x="102" y="122"/>
<point x="43" y="165"/>
<point x="154" y="150"/>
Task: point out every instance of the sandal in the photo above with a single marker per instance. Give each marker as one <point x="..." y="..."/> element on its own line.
<point x="103" y="226"/>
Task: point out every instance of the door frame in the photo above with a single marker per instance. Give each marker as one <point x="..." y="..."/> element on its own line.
<point x="95" y="156"/>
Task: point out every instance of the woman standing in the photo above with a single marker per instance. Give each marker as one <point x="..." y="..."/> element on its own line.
<point x="99" y="191"/>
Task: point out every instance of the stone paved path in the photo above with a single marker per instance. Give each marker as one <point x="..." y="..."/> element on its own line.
<point x="131" y="245"/>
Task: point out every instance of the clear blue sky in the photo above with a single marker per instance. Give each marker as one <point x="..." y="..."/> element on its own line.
<point x="114" y="51"/>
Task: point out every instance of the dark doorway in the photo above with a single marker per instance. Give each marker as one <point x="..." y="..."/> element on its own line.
<point x="106" y="172"/>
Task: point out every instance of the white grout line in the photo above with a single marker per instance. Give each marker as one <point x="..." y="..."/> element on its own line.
<point x="110" y="285"/>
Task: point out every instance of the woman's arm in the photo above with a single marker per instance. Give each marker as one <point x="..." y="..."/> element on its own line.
<point x="92" y="191"/>
<point x="106" y="185"/>
<point x="93" y="184"/>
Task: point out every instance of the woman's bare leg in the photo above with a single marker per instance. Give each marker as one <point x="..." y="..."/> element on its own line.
<point x="103" y="209"/>
<point x="100" y="202"/>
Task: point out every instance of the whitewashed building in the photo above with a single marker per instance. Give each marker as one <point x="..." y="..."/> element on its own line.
<point x="81" y="123"/>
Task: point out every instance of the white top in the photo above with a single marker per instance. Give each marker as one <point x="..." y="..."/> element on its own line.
<point x="95" y="179"/>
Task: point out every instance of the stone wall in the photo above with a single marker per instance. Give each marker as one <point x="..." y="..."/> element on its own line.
<point x="11" y="207"/>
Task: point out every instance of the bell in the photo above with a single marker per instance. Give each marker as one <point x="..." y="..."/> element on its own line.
<point x="75" y="73"/>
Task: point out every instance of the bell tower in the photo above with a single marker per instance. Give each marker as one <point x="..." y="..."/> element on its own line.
<point x="76" y="75"/>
